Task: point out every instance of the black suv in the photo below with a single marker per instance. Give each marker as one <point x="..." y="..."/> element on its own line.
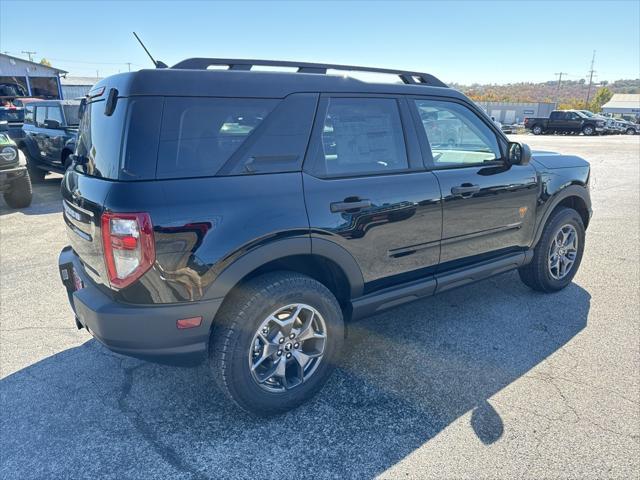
<point x="50" y="129"/>
<point x="249" y="214"/>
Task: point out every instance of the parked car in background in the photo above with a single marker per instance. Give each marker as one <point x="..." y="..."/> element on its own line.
<point x="630" y="128"/>
<point x="565" y="121"/>
<point x="15" y="184"/>
<point x="244" y="216"/>
<point x="609" y="126"/>
<point x="50" y="131"/>
<point x="14" y="118"/>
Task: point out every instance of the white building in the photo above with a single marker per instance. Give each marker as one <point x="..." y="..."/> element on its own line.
<point x="22" y="78"/>
<point x="76" y="87"/>
<point x="623" y="104"/>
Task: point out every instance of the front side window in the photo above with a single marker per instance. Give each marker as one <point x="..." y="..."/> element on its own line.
<point x="456" y="135"/>
<point x="55" y="114"/>
<point x="199" y="135"/>
<point x="41" y="116"/>
<point x="71" y="114"/>
<point x="362" y="136"/>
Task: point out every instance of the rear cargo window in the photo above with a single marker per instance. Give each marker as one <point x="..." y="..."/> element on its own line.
<point x="199" y="135"/>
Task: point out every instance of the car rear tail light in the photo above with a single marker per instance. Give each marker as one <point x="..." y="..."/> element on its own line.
<point x="129" y="247"/>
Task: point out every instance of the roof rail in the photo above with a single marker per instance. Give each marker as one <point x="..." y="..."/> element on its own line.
<point x="411" y="78"/>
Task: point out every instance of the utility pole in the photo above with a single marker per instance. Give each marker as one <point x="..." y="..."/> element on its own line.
<point x="128" y="65"/>
<point x="559" y="75"/>
<point x="591" y="72"/>
<point x="31" y="54"/>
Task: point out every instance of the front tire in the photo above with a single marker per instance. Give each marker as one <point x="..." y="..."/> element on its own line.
<point x="558" y="254"/>
<point x="630" y="131"/>
<point x="275" y="342"/>
<point x="20" y="193"/>
<point x="537" y="130"/>
<point x="588" y="130"/>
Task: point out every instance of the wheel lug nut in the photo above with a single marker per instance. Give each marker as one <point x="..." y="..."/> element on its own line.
<point x="292" y="335"/>
<point x="296" y="345"/>
<point x="281" y="340"/>
<point x="265" y="330"/>
<point x="288" y="355"/>
<point x="279" y="353"/>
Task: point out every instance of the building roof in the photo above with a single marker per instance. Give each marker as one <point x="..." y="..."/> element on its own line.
<point x="13" y="60"/>
<point x="623" y="101"/>
<point x="88" y="81"/>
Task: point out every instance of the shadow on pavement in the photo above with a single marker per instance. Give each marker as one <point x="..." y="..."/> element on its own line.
<point x="46" y="198"/>
<point x="407" y="374"/>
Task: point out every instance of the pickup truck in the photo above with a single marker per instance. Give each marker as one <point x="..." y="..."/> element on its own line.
<point x="562" y="121"/>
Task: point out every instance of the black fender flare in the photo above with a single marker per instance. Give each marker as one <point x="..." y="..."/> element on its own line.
<point x="278" y="249"/>
<point x="579" y="191"/>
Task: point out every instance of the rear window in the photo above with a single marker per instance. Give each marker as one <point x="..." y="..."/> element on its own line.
<point x="199" y="135"/>
<point x="12" y="115"/>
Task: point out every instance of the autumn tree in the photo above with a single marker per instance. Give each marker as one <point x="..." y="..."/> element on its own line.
<point x="45" y="62"/>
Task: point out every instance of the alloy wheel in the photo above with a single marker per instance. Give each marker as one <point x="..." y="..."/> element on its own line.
<point x="287" y="347"/>
<point x="563" y="252"/>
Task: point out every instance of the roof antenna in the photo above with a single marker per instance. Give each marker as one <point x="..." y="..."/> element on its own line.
<point x="158" y="63"/>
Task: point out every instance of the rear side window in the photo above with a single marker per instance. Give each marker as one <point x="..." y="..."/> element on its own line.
<point x="199" y="135"/>
<point x="361" y="136"/>
<point x="100" y="139"/>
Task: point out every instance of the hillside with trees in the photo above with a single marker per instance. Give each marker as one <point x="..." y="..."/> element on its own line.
<point x="570" y="94"/>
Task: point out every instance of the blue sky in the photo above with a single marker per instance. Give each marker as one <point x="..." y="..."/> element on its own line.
<point x="458" y="41"/>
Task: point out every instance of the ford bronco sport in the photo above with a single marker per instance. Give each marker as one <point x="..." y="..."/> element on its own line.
<point x="247" y="215"/>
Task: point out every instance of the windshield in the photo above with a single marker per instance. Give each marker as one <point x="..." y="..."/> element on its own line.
<point x="71" y="114"/>
<point x="586" y="113"/>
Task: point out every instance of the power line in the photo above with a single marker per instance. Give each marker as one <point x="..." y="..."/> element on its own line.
<point x="559" y="75"/>
<point x="30" y="54"/>
<point x="591" y="72"/>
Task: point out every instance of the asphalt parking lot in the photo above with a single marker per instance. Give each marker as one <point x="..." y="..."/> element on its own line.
<point x="489" y="381"/>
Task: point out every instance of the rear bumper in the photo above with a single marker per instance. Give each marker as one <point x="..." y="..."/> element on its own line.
<point x="144" y="331"/>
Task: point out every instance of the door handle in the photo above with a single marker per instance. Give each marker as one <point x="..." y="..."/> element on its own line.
<point x="351" y="203"/>
<point x="465" y="190"/>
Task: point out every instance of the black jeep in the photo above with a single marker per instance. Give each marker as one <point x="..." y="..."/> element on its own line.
<point x="49" y="136"/>
<point x="247" y="215"/>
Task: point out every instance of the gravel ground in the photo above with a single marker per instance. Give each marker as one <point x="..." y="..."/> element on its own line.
<point x="489" y="381"/>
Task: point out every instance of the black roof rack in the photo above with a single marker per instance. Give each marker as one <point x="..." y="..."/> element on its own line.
<point x="411" y="78"/>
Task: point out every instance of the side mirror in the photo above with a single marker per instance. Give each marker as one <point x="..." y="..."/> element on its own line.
<point x="519" y="153"/>
<point x="55" y="124"/>
<point x="77" y="159"/>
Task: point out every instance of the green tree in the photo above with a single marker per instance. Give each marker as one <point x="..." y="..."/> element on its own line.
<point x="44" y="61"/>
<point x="603" y="95"/>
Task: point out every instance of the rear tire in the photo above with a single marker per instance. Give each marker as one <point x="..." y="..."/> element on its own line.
<point x="20" y="193"/>
<point x="541" y="273"/>
<point x="244" y="329"/>
<point x="36" y="174"/>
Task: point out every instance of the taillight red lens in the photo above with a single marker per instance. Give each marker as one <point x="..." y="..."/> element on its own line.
<point x="129" y="247"/>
